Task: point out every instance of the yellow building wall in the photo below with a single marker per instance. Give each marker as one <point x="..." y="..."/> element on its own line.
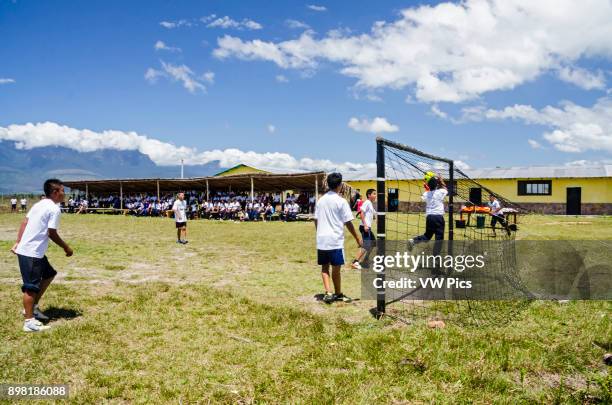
<point x="242" y="169"/>
<point x="594" y="190"/>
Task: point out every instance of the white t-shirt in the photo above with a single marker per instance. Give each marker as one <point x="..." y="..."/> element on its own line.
<point x="295" y="208"/>
<point x="43" y="216"/>
<point x="331" y="213"/>
<point x="24" y="201"/>
<point x="495" y="207"/>
<point x="179" y="208"/>
<point x="434" y="201"/>
<point x="368" y="213"/>
<point x="13" y="201"/>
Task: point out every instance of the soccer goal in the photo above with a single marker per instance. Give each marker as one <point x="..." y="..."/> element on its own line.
<point x="469" y="228"/>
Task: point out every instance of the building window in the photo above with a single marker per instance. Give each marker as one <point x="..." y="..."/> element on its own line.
<point x="534" y="187"/>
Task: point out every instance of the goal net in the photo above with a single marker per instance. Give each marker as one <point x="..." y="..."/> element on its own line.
<point x="471" y="228"/>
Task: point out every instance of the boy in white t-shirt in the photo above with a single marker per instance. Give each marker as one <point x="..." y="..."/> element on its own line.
<point x="13" y="204"/>
<point x="37" y="228"/>
<point x="434" y="212"/>
<point x="332" y="214"/>
<point x="180" y="218"/>
<point x="497" y="214"/>
<point x="366" y="213"/>
<point x="24" y="204"/>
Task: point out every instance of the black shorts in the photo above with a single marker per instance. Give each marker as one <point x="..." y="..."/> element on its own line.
<point x="14" y="206"/>
<point x="181" y="224"/>
<point x="497" y="218"/>
<point x="34" y="271"/>
<point x="369" y="239"/>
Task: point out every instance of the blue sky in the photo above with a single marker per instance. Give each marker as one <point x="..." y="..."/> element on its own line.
<point x="83" y="65"/>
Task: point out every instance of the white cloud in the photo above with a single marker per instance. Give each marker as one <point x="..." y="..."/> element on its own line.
<point x="365" y="95"/>
<point x="161" y="46"/>
<point x="452" y="52"/>
<point x="376" y="126"/>
<point x="271" y="128"/>
<point x="44" y="134"/>
<point x="176" y="24"/>
<point x="461" y="165"/>
<point x="6" y="80"/>
<point x="296" y="25"/>
<point x="281" y="79"/>
<point x="180" y="73"/>
<point x="583" y="78"/>
<point x="534" y="144"/>
<point x="584" y="162"/>
<point x="228" y="23"/>
<point x="209" y="77"/>
<point x="314" y="7"/>
<point x="573" y="128"/>
<point x="251" y="25"/>
<point x="438" y="113"/>
<point x="151" y="75"/>
<point x="208" y="18"/>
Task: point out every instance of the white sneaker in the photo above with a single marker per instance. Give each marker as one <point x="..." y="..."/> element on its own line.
<point x="356" y="266"/>
<point x="37" y="314"/>
<point x="32" y="325"/>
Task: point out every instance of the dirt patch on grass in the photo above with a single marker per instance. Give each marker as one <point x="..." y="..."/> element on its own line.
<point x="8" y="234"/>
<point x="544" y="380"/>
<point x="568" y="223"/>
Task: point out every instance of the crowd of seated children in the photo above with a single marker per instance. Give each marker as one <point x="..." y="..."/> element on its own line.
<point x="235" y="206"/>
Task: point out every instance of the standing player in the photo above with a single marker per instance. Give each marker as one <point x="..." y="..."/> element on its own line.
<point x="180" y="218"/>
<point x="366" y="213"/>
<point x="497" y="214"/>
<point x="332" y="214"/>
<point x="434" y="211"/>
<point x="14" y="204"/>
<point x="24" y="204"/>
<point x="37" y="228"/>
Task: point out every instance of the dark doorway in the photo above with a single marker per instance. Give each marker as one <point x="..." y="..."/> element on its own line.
<point x="393" y="198"/>
<point x="476" y="196"/>
<point x="574" y="196"/>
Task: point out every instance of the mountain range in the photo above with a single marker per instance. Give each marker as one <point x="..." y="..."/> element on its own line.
<point x="24" y="171"/>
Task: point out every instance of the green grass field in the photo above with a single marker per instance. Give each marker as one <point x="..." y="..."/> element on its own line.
<point x="232" y="318"/>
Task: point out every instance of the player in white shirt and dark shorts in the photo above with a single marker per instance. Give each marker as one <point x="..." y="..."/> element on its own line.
<point x="180" y="218"/>
<point x="434" y="212"/>
<point x="40" y="225"/>
<point x="497" y="214"/>
<point x="366" y="213"/>
<point x="332" y="214"/>
<point x="13" y="204"/>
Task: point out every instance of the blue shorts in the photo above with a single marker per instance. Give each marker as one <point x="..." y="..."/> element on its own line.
<point x="335" y="257"/>
<point x="34" y="271"/>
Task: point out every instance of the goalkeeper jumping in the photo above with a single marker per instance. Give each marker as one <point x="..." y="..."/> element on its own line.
<point x="434" y="196"/>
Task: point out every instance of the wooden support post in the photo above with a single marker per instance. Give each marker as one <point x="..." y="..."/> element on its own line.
<point x="158" y="191"/>
<point x="207" y="191"/>
<point x="317" y="187"/>
<point x="87" y="191"/>
<point x="252" y="191"/>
